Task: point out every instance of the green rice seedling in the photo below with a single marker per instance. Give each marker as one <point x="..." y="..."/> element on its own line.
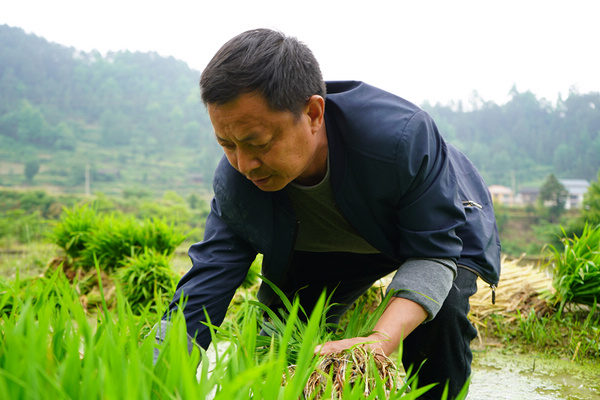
<point x="276" y="323"/>
<point x="118" y="238"/>
<point x="329" y="375"/>
<point x="582" y="335"/>
<point x="576" y="269"/>
<point x="253" y="276"/>
<point x="158" y="235"/>
<point x="52" y="349"/>
<point x="11" y="292"/>
<point x="362" y="318"/>
<point x="86" y="236"/>
<point x="147" y="280"/>
<point x="112" y="242"/>
<point x="72" y="232"/>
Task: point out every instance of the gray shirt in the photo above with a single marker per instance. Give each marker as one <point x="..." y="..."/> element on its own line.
<point x="323" y="228"/>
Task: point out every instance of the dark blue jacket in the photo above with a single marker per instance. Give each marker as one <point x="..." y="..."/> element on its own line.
<point x="399" y="184"/>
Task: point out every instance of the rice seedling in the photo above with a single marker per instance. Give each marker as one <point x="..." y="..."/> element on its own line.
<point x="576" y="269"/>
<point x="147" y="280"/>
<point x="74" y="229"/>
<point x="86" y="237"/>
<point x="354" y="373"/>
<point x="117" y="238"/>
<point x="55" y="344"/>
<point x="54" y="348"/>
<point x="253" y="276"/>
<point x="51" y="348"/>
<point x="538" y="330"/>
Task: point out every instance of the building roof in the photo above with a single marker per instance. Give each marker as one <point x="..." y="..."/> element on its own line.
<point x="499" y="189"/>
<point x="529" y="190"/>
<point x="575" y="186"/>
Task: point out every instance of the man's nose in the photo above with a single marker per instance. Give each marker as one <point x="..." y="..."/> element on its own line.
<point x="246" y="161"/>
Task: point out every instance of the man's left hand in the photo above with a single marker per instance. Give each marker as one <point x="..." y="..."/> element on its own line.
<point x="399" y="319"/>
<point x="374" y="342"/>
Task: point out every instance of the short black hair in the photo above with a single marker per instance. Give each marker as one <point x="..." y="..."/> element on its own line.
<point x="280" y="68"/>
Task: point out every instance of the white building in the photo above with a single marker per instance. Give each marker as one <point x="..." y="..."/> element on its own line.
<point x="576" y="188"/>
<point x="501" y="195"/>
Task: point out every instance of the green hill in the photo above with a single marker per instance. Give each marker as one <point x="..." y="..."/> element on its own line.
<point x="130" y="119"/>
<point x="134" y="121"/>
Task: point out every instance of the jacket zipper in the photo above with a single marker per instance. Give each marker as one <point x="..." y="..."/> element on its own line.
<point x="471" y="203"/>
<point x="492" y="286"/>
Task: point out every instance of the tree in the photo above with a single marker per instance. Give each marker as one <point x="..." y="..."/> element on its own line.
<point x="553" y="196"/>
<point x="32" y="167"/>
<point x="591" y="203"/>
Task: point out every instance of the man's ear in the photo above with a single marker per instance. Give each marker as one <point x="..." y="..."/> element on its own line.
<point x="315" y="110"/>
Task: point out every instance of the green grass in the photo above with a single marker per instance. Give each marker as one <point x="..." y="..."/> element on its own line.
<point x="28" y="259"/>
<point x="573" y="335"/>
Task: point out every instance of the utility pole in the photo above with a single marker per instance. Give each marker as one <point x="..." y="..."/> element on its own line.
<point x="513" y="180"/>
<point x="87" y="179"/>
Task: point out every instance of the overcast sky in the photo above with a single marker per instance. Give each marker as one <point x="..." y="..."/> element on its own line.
<point x="438" y="50"/>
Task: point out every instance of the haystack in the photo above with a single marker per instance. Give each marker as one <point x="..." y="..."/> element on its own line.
<point x="521" y="288"/>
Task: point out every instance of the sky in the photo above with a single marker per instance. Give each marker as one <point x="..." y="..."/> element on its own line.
<point x="427" y="50"/>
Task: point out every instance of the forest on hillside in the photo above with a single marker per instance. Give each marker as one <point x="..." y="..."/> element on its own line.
<point x="136" y="120"/>
<point x="523" y="141"/>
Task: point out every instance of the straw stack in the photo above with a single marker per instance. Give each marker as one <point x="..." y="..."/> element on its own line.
<point x="519" y="289"/>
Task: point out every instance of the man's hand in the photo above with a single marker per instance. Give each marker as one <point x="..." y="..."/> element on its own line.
<point x="398" y="320"/>
<point x="374" y="342"/>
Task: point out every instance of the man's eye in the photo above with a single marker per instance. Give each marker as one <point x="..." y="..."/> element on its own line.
<point x="228" y="146"/>
<point x="260" y="146"/>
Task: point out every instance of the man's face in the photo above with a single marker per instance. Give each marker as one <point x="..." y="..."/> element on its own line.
<point x="272" y="148"/>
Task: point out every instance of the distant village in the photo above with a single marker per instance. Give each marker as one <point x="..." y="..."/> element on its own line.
<point x="506" y="196"/>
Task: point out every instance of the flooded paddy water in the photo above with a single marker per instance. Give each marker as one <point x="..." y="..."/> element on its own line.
<point x="504" y="374"/>
<point x="501" y="375"/>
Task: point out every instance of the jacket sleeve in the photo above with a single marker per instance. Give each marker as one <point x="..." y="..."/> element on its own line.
<point x="429" y="210"/>
<point x="219" y="266"/>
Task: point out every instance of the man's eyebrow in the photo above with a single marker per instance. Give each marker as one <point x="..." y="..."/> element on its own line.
<point x="249" y="138"/>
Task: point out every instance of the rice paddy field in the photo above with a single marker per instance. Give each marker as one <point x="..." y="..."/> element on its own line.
<point x="78" y="319"/>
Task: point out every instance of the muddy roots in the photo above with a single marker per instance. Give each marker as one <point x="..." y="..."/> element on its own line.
<point x="356" y="366"/>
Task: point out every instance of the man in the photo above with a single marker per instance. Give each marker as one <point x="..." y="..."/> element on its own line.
<point x="338" y="185"/>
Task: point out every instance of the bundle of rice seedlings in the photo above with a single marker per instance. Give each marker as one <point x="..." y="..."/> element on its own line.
<point x="356" y="366"/>
<point x="576" y="269"/>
